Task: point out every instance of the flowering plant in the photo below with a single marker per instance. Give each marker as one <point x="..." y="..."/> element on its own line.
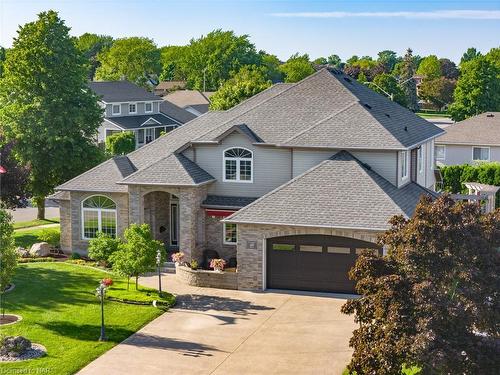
<point x="178" y="257"/>
<point x="107" y="282"/>
<point x="217" y="264"/>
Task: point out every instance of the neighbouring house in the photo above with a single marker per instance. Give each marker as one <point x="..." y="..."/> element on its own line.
<point x="474" y="140"/>
<point x="194" y="101"/>
<point x="128" y="107"/>
<point x="291" y="184"/>
<point x="164" y="87"/>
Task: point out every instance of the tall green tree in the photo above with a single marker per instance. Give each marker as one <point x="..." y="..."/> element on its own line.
<point x="8" y="254"/>
<point x="438" y="91"/>
<point x="91" y="45"/>
<point x="120" y="143"/>
<point x="3" y="53"/>
<point x="271" y="65"/>
<point x="407" y="82"/>
<point x="335" y="61"/>
<point x="388" y="59"/>
<point x="478" y="89"/>
<point x="430" y="67"/>
<point x="210" y="60"/>
<point x="46" y="107"/>
<point x="390" y="85"/>
<point x="424" y="303"/>
<point x="250" y="80"/>
<point x="469" y="55"/>
<point x="170" y="61"/>
<point x="135" y="59"/>
<point x="296" y="68"/>
<point x="448" y="69"/>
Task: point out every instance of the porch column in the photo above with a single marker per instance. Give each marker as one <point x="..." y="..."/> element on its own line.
<point x="135" y="204"/>
<point x="191" y="225"/>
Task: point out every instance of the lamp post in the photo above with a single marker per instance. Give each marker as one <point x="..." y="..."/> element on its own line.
<point x="391" y="96"/>
<point x="158" y="264"/>
<point x="101" y="292"/>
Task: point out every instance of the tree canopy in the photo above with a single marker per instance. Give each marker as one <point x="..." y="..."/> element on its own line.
<point x="478" y="88"/>
<point x="391" y="86"/>
<point x="407" y="71"/>
<point x="8" y="253"/>
<point x="91" y="45"/>
<point x="469" y="55"/>
<point x="135" y="59"/>
<point x="430" y="67"/>
<point x="46" y="107"/>
<point x="296" y="68"/>
<point x="424" y="303"/>
<point x="388" y="59"/>
<point x="250" y="80"/>
<point x="120" y="143"/>
<point x="438" y="91"/>
<point x="13" y="184"/>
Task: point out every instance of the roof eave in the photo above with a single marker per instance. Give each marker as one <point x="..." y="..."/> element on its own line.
<point x="163" y="184"/>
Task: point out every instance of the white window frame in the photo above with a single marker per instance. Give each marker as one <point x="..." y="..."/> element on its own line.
<point x="404" y="165"/>
<point x="99" y="216"/>
<point x="119" y="109"/>
<point x="152" y="132"/>
<point x="145" y="110"/>
<point x="224" y="234"/>
<point x="238" y="160"/>
<point x="135" y="105"/>
<point x="481" y="160"/>
<point x="420" y="159"/>
<point x="444" y="152"/>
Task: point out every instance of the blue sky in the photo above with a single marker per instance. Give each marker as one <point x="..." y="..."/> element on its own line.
<point x="362" y="27"/>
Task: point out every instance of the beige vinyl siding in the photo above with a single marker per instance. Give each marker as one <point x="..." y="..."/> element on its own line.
<point x="271" y="167"/>
<point x="382" y="162"/>
<point x="403" y="181"/>
<point x="462" y="154"/>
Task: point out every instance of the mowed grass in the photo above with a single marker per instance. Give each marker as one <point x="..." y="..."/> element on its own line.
<point x="61" y="312"/>
<point x="35" y="223"/>
<point x="27" y="237"/>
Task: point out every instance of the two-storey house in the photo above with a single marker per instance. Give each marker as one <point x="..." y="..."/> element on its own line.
<point x="293" y="183"/>
<point x="128" y="107"/>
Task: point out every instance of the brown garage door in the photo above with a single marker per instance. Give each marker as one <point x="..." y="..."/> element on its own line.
<point x="313" y="262"/>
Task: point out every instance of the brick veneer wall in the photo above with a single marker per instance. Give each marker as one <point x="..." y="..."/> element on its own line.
<point x="251" y="242"/>
<point x="78" y="244"/>
<point x="215" y="238"/>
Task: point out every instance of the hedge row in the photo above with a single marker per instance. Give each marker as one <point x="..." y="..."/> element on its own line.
<point x="454" y="176"/>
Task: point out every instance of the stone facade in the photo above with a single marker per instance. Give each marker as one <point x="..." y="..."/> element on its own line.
<point x="210" y="279"/>
<point x="251" y="246"/>
<point x="214" y="238"/>
<point x="157" y="215"/>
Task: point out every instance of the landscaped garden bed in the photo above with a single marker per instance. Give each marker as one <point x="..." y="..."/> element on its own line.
<point x="61" y="312"/>
<point x="227" y="279"/>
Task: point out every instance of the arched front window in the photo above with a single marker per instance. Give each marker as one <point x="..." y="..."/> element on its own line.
<point x="98" y="215"/>
<point x="238" y="165"/>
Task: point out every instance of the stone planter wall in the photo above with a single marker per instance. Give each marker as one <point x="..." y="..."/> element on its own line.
<point x="210" y="279"/>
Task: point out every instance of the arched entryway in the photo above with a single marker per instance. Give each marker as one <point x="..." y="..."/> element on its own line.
<point x="313" y="262"/>
<point x="161" y="212"/>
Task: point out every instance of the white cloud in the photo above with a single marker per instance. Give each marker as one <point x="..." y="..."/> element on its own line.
<point x="437" y="14"/>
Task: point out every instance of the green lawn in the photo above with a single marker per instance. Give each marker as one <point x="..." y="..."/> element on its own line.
<point x="61" y="312"/>
<point x="35" y="223"/>
<point x="27" y="237"/>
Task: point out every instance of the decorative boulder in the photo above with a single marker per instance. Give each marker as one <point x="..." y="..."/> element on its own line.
<point x="14" y="346"/>
<point x="22" y="252"/>
<point x="40" y="249"/>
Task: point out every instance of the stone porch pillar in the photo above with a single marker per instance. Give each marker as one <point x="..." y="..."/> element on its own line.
<point x="192" y="222"/>
<point x="135" y="205"/>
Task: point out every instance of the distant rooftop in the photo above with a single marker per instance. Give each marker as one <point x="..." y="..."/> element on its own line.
<point x="121" y="91"/>
<point x="483" y="129"/>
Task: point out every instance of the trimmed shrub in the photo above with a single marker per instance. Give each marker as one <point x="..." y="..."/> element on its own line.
<point x="454" y="176"/>
<point x="50" y="235"/>
<point x="35" y="260"/>
<point x="120" y="143"/>
<point x="102" y="247"/>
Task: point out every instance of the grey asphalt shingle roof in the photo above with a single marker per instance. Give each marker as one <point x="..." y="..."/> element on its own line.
<point x="103" y="177"/>
<point x="134" y="122"/>
<point x="121" y="91"/>
<point x="177" y="113"/>
<point x="483" y="129"/>
<point x="175" y="169"/>
<point x="340" y="192"/>
<point x="227" y="202"/>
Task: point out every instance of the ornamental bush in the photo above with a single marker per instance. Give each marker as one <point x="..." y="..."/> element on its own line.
<point x="120" y="143"/>
<point x="434" y="300"/>
<point x="102" y="247"/>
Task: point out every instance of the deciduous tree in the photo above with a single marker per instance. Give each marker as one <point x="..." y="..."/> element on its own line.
<point x="388" y="59"/>
<point x="478" y="89"/>
<point x="430" y="67"/>
<point x="449" y="69"/>
<point x="46" y="107"/>
<point x="120" y="143"/>
<point x="8" y="254"/>
<point x="271" y="64"/>
<point x="469" y="55"/>
<point x="134" y="59"/>
<point x="250" y="80"/>
<point x="438" y="91"/>
<point x="408" y="83"/>
<point x="433" y="300"/>
<point x="390" y="85"/>
<point x="296" y="68"/>
<point x="14" y="183"/>
<point x="91" y="45"/>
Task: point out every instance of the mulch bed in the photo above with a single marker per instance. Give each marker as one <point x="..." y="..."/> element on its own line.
<point x="8" y="319"/>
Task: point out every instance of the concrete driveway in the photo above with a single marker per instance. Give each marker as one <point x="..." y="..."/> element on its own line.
<point x="214" y="331"/>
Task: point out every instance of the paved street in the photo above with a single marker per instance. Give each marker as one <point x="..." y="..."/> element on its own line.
<point x="214" y="331"/>
<point x="29" y="213"/>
